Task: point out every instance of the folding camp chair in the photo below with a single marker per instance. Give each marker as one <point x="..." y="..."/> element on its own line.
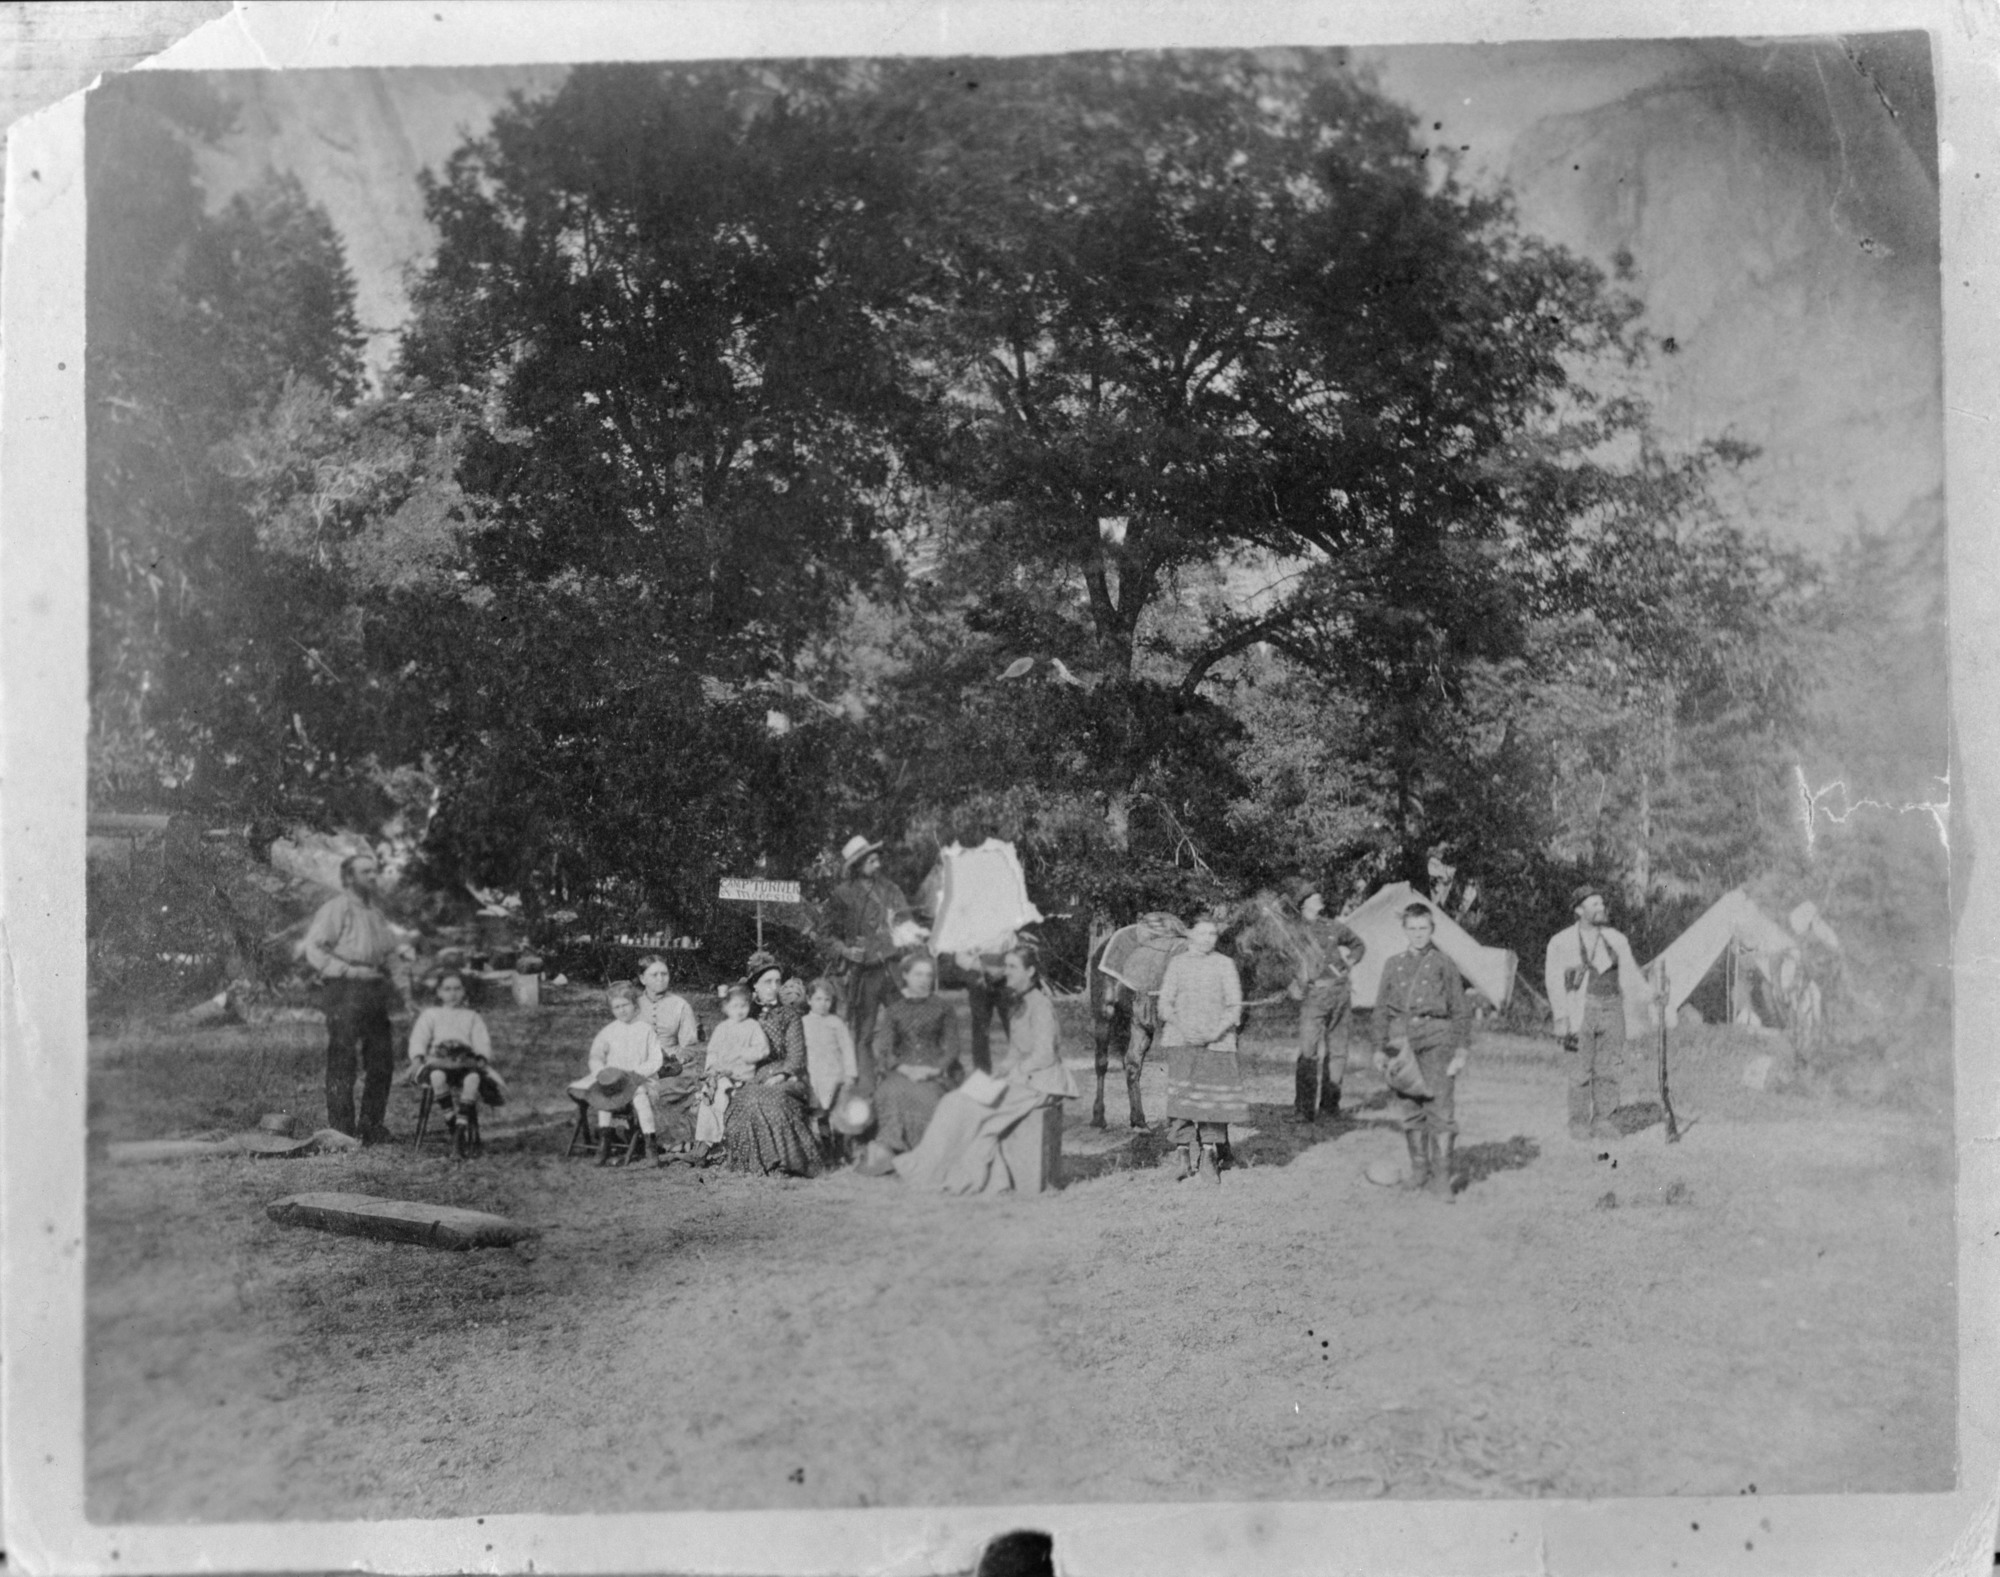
<point x="624" y="1124"/>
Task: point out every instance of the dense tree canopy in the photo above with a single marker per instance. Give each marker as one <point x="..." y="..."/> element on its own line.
<point x="1161" y="460"/>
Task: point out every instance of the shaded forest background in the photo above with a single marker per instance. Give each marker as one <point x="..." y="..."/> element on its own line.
<point x="1163" y="462"/>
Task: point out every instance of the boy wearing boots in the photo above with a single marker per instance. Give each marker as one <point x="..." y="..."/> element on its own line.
<point x="627" y="1045"/>
<point x="1421" y="1015"/>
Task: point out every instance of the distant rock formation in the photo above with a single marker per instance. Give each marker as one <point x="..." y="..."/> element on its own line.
<point x="357" y="141"/>
<point x="1778" y="203"/>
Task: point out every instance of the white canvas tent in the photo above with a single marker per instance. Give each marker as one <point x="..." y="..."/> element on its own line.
<point x="1734" y="922"/>
<point x="1379" y="923"/>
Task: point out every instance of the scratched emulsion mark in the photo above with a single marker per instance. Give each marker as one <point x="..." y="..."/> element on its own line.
<point x="1815" y="802"/>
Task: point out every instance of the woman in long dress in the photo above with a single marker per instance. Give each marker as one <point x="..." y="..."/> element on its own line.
<point x="986" y="1136"/>
<point x="915" y="1056"/>
<point x="767" y="1128"/>
<point x="1201" y="1005"/>
<point x="674" y="1094"/>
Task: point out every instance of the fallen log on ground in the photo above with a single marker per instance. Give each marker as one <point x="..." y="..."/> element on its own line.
<point x="326" y="1142"/>
<point x="397" y="1220"/>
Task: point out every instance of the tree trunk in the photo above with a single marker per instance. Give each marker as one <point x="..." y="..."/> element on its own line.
<point x="1642" y="854"/>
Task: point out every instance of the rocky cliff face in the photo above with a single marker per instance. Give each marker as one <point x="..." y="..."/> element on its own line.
<point x="1778" y="204"/>
<point x="357" y="141"/>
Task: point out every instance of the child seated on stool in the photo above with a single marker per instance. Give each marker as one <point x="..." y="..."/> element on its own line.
<point x="831" y="1065"/>
<point x="631" y="1045"/>
<point x="735" y="1049"/>
<point x="449" y="1043"/>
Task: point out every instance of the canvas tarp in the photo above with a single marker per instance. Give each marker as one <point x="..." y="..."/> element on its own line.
<point x="1379" y="923"/>
<point x="982" y="899"/>
<point x="1137" y="956"/>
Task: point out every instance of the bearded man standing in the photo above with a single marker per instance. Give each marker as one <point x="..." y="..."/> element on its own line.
<point x="1589" y="972"/>
<point x="863" y="914"/>
<point x="349" y="945"/>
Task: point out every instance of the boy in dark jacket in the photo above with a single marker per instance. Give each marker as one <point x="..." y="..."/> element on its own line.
<point x="1422" y="1016"/>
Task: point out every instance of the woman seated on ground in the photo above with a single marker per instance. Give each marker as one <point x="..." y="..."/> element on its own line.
<point x="915" y="1057"/>
<point x="986" y="1136"/>
<point x="767" y="1128"/>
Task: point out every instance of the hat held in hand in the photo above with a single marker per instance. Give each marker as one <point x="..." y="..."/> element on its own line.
<point x="1405" y="1077"/>
<point x="612" y="1090"/>
<point x="852" y="1115"/>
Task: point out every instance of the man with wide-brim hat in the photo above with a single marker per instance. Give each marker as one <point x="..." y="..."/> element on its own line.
<point x="862" y="916"/>
<point x="1589" y="972"/>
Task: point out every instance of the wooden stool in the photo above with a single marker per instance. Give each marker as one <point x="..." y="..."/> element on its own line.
<point x="465" y="1136"/>
<point x="622" y="1122"/>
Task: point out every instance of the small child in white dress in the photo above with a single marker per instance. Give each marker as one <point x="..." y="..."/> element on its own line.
<point x="831" y="1064"/>
<point x="735" y="1048"/>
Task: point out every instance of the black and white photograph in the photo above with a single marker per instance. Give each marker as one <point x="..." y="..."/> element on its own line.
<point x="1171" y="774"/>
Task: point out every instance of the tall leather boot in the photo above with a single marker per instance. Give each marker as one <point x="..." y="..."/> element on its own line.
<point x="1420" y="1167"/>
<point x="1329" y="1100"/>
<point x="606" y="1139"/>
<point x="1305" y="1089"/>
<point x="1440" y="1154"/>
<point x="466" y="1140"/>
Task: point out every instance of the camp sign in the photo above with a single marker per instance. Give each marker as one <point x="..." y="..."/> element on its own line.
<point x="739" y="889"/>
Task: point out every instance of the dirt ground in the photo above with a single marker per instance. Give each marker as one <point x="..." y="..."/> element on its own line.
<point x="1766" y="1307"/>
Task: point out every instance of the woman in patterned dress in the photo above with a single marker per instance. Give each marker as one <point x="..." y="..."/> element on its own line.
<point x="768" y="1129"/>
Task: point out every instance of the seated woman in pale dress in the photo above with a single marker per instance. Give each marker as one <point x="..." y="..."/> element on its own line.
<point x="986" y="1135"/>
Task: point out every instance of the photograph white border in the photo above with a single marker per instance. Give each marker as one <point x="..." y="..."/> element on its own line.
<point x="43" y="646"/>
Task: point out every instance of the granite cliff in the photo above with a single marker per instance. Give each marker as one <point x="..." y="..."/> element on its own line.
<point x="1777" y="203"/>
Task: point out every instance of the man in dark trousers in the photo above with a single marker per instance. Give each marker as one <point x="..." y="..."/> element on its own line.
<point x="349" y="945"/>
<point x="1332" y="951"/>
<point x="863" y="914"/>
<point x="1422" y="1017"/>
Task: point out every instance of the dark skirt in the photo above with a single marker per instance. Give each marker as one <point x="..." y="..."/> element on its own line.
<point x="767" y="1130"/>
<point x="492" y="1088"/>
<point x="675" y="1096"/>
<point x="903" y="1110"/>
<point x="1205" y="1086"/>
